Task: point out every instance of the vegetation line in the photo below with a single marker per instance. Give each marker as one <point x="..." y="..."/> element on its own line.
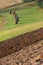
<point x="6" y="34"/>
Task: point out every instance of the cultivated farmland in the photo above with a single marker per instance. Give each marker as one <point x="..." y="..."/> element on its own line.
<point x="25" y="49"/>
<point x="21" y="44"/>
<point x="30" y="18"/>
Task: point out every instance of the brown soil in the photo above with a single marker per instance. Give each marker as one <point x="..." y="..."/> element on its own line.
<point x="30" y="55"/>
<point x="6" y="3"/>
<point x="15" y="44"/>
<point x="18" y="6"/>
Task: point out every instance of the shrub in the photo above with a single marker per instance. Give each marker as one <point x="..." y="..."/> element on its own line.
<point x="40" y="3"/>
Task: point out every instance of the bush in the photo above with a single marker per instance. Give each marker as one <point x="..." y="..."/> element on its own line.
<point x="40" y="3"/>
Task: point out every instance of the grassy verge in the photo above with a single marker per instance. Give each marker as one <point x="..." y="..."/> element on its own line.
<point x="19" y="30"/>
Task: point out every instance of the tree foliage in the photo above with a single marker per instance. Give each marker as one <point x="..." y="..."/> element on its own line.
<point x="40" y="3"/>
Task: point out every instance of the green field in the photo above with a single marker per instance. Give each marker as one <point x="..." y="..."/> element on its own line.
<point x="30" y="18"/>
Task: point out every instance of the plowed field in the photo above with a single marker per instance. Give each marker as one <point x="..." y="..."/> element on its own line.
<point x="25" y="56"/>
<point x="26" y="49"/>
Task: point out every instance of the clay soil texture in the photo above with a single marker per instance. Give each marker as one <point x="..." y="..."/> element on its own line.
<point x="23" y="49"/>
<point x="25" y="56"/>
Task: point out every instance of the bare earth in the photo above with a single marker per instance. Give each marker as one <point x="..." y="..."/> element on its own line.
<point x="30" y="55"/>
<point x="6" y="3"/>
